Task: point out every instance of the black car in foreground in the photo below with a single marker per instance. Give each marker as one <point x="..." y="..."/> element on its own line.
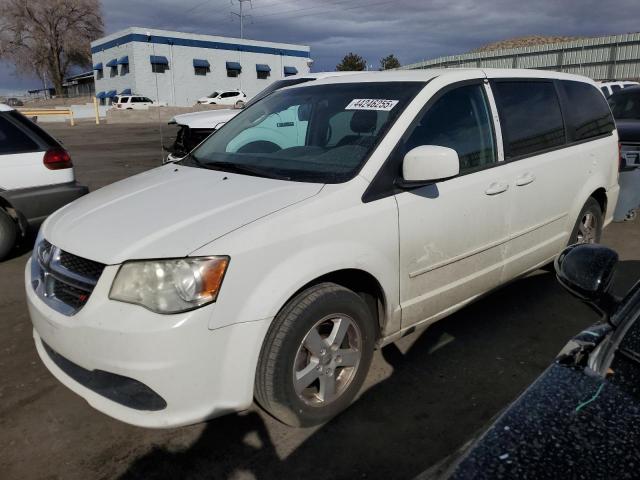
<point x="581" y="417"/>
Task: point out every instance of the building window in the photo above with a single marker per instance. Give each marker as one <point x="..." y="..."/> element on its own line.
<point x="99" y="74"/>
<point x="233" y="69"/>
<point x="263" y="71"/>
<point x="159" y="63"/>
<point x="159" y="67"/>
<point x="201" y="67"/>
<point x="113" y="67"/>
<point x="124" y="69"/>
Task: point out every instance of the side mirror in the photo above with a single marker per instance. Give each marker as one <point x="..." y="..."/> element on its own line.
<point x="428" y="163"/>
<point x="586" y="271"/>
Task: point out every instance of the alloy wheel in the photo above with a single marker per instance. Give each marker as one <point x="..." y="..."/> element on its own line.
<point x="587" y="229"/>
<point x="327" y="360"/>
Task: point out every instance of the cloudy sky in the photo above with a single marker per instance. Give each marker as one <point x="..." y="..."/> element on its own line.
<point x="411" y="29"/>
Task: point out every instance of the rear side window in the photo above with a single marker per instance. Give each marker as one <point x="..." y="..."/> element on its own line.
<point x="587" y="112"/>
<point x="530" y="116"/>
<point x="616" y="88"/>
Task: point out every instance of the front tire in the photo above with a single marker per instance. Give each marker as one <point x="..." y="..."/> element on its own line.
<point x="239" y="104"/>
<point x="8" y="234"/>
<point x="315" y="356"/>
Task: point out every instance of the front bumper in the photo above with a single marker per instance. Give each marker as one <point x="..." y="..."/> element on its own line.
<point x="191" y="373"/>
<point x="37" y="203"/>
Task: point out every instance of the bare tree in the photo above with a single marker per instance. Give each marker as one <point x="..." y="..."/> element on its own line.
<point x="49" y="36"/>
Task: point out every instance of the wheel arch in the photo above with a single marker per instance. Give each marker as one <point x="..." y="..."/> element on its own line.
<point x="362" y="283"/>
<point x="600" y="196"/>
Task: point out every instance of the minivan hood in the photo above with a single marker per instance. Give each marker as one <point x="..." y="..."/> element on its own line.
<point x="167" y="212"/>
<point x="206" y="119"/>
<point x="628" y="130"/>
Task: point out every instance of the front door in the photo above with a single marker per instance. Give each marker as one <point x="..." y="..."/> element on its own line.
<point x="453" y="233"/>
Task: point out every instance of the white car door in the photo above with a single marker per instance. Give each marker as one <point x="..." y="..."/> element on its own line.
<point x="452" y="233"/>
<point x="548" y="161"/>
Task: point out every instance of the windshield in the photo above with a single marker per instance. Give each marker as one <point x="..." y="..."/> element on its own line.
<point x="277" y="85"/>
<point x="318" y="133"/>
<point x="625" y="105"/>
<point x="213" y="95"/>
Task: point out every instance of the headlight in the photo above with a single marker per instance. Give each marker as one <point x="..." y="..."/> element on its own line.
<point x="170" y="286"/>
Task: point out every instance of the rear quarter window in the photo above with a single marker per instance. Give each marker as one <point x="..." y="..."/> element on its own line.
<point x="587" y="112"/>
<point x="530" y="116"/>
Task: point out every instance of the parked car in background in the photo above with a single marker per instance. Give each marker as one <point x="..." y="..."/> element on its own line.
<point x="36" y="177"/>
<point x="579" y="419"/>
<point x="325" y="220"/>
<point x="232" y="98"/>
<point x="132" y="102"/>
<point x="14" y="102"/>
<point x="195" y="127"/>
<point x="609" y="88"/>
<point x="625" y="106"/>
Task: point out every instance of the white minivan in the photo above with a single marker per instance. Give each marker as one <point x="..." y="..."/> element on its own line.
<point x="323" y="221"/>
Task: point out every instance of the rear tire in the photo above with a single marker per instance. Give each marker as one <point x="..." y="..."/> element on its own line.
<point x="8" y="234"/>
<point x="592" y="210"/>
<point x="588" y="227"/>
<point x="239" y="104"/>
<point x="315" y="356"/>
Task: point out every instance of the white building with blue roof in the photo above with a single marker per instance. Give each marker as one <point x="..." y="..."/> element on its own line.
<point x="178" y="68"/>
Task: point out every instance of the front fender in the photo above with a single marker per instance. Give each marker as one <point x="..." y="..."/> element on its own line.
<point x="277" y="255"/>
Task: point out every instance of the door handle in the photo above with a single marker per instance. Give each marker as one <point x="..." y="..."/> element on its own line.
<point x="495" y="188"/>
<point x="525" y="179"/>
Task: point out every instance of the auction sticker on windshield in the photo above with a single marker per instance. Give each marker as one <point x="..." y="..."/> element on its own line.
<point x="371" y="104"/>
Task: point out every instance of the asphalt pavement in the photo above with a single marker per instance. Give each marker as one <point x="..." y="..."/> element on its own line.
<point x="425" y="396"/>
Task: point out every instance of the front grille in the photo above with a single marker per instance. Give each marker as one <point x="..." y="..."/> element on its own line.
<point x="81" y="266"/>
<point x="62" y="280"/>
<point x="70" y="295"/>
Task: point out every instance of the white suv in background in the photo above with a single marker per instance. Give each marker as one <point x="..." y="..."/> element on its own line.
<point x="327" y="219"/>
<point x="232" y="98"/>
<point x="609" y="88"/>
<point x="132" y="102"/>
<point x="36" y="177"/>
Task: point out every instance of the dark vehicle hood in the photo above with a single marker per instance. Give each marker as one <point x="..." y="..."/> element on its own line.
<point x="628" y="130"/>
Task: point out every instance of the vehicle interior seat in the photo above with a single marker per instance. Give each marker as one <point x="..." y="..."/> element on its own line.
<point x="363" y="123"/>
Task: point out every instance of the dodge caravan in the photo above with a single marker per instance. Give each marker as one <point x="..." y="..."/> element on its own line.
<point x="323" y="221"/>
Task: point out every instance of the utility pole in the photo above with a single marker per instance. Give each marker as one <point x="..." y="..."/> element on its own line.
<point x="241" y="15"/>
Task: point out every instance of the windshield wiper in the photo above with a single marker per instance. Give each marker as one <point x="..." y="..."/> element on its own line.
<point x="243" y="169"/>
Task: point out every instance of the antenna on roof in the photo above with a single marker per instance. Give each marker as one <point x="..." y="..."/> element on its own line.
<point x="241" y="15"/>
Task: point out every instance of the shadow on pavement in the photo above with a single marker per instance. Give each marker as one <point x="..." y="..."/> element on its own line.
<point x="434" y="401"/>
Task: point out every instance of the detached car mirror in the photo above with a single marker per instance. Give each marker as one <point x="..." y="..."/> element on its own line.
<point x="586" y="271"/>
<point x="428" y="163"/>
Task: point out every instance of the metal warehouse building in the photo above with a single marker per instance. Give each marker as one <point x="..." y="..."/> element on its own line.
<point x="614" y="57"/>
<point x="178" y="68"/>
